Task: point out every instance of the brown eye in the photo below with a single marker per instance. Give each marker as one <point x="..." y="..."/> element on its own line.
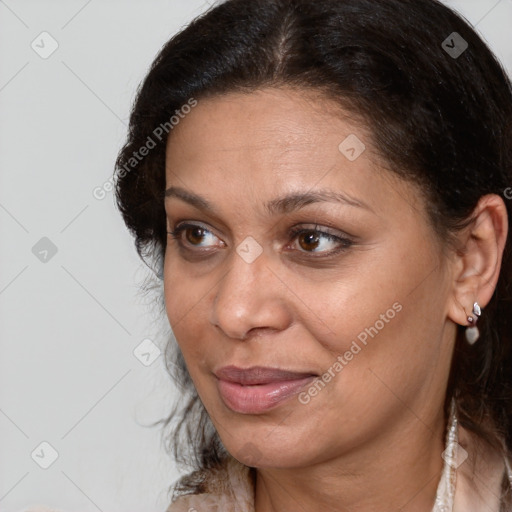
<point x="194" y="235"/>
<point x="308" y="241"/>
<point x="315" y="241"/>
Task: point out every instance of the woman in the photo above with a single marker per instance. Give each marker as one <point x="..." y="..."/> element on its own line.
<point x="322" y="188"/>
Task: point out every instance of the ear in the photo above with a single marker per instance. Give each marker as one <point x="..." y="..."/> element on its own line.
<point x="477" y="263"/>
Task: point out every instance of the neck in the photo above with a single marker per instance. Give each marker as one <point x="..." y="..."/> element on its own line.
<point x="399" y="471"/>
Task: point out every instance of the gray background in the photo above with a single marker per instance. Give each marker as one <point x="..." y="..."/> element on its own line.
<point x="70" y="321"/>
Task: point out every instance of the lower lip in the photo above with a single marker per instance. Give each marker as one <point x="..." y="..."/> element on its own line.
<point x="259" y="398"/>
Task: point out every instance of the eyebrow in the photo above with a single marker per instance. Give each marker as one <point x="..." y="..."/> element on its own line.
<point x="282" y="205"/>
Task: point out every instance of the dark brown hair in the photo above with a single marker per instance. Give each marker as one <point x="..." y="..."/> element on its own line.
<point x="439" y="119"/>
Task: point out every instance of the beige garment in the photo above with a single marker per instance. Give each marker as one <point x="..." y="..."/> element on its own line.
<point x="479" y="478"/>
<point x="477" y="489"/>
<point x="227" y="490"/>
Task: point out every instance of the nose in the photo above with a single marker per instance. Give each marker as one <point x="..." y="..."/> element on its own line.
<point x="250" y="297"/>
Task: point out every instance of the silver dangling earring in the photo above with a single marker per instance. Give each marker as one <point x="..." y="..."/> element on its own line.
<point x="472" y="333"/>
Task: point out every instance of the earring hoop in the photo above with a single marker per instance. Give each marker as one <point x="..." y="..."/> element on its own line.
<point x="472" y="333"/>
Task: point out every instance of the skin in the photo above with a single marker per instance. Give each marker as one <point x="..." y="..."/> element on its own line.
<point x="372" y="438"/>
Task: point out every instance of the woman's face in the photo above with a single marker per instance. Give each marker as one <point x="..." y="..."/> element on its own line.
<point x="300" y="254"/>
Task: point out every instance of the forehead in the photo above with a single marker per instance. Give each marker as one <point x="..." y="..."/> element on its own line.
<point x="272" y="120"/>
<point x="262" y="144"/>
<point x="272" y="131"/>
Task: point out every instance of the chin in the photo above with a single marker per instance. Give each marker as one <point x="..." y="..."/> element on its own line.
<point x="268" y="455"/>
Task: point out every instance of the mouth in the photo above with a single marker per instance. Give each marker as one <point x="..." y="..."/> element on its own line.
<point x="258" y="389"/>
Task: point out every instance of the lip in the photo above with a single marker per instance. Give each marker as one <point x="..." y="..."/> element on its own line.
<point x="258" y="389"/>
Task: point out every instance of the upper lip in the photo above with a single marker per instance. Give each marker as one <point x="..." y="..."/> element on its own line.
<point x="258" y="375"/>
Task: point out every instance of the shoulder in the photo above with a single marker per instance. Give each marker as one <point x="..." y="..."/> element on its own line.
<point x="227" y="489"/>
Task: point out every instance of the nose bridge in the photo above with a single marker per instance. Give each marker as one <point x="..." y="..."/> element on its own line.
<point x="247" y="296"/>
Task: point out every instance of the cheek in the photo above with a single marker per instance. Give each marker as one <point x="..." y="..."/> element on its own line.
<point x="389" y="311"/>
<point x="186" y="307"/>
<point x="173" y="292"/>
<point x="183" y="292"/>
<point x="389" y="338"/>
<point x="180" y="298"/>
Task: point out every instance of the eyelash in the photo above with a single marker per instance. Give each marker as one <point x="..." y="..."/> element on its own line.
<point x="344" y="242"/>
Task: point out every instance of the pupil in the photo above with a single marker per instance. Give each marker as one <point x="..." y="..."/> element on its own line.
<point x="310" y="239"/>
<point x="195" y="233"/>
